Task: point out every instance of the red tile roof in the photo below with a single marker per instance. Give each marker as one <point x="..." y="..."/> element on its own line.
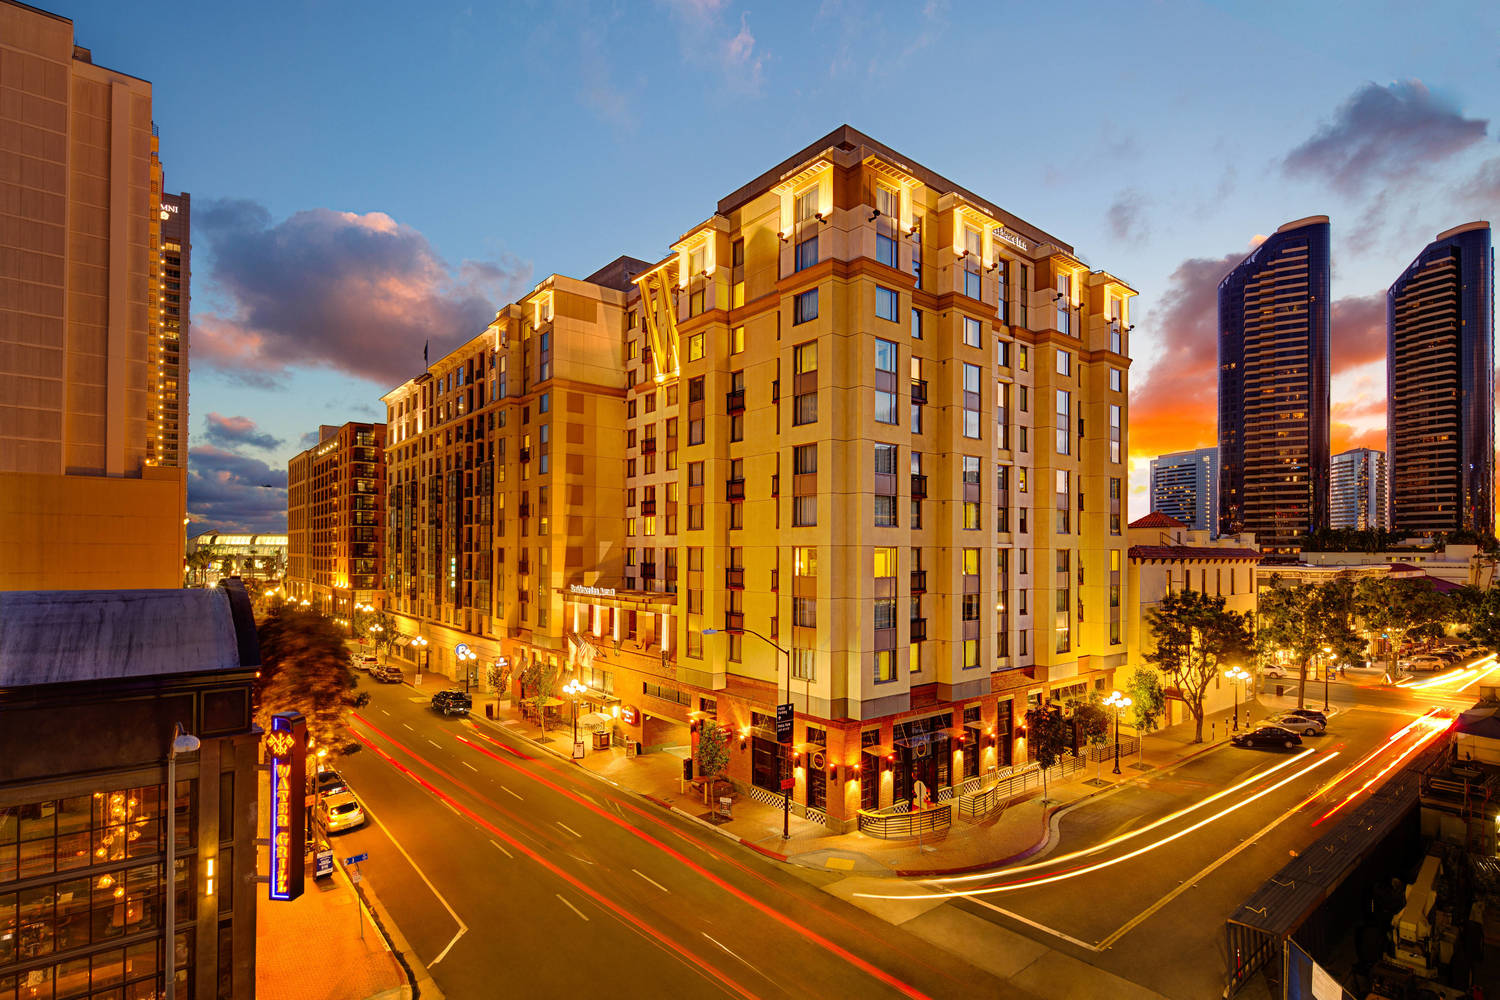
<point x="1156" y="519"/>
<point x="1191" y="553"/>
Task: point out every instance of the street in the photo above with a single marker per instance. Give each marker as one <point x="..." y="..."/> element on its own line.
<point x="487" y="855"/>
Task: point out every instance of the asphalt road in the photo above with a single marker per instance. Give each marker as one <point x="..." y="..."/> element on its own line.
<point x="516" y="875"/>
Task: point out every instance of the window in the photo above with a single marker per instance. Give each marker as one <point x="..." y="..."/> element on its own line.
<point x="916" y="324"/>
<point x="806" y="205"/>
<point x="1002" y="353"/>
<point x="885" y="250"/>
<point x="885" y="510"/>
<point x="972" y="328"/>
<point x="695" y="347"/>
<point x="1023" y="357"/>
<point x="971" y="470"/>
<point x="884" y="563"/>
<point x="805" y="408"/>
<point x="1064" y="363"/>
<point x="888" y="202"/>
<point x="885" y="459"/>
<point x="805" y="357"/>
<point x="807" y="254"/>
<point x="885" y="665"/>
<point x="805" y="612"/>
<point x="887" y="302"/>
<point x="971" y="283"/>
<point x="1064" y="303"/>
<point x="1064" y="418"/>
<point x="971" y="400"/>
<point x="885" y="612"/>
<point x="737" y="340"/>
<point x="971" y="515"/>
<point x="971" y="608"/>
<point x="695" y="473"/>
<point x="805" y="561"/>
<point x="971" y="653"/>
<point x="802" y="664"/>
<point x="805" y="306"/>
<point x="1116" y="380"/>
<point x="971" y="562"/>
<point x="1002" y="301"/>
<point x="885" y="387"/>
<point x="804" y="459"/>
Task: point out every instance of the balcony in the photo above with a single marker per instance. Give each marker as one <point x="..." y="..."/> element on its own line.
<point x="734" y="489"/>
<point x="918" y="486"/>
<point x="524" y="454"/>
<point x="919" y="390"/>
<point x="734" y="621"/>
<point x="648" y="508"/>
<point x="919" y="630"/>
<point x="648" y="446"/>
<point x="776" y="485"/>
<point x="776" y="390"/>
<point x="523" y="566"/>
<point x="734" y="578"/>
<point x="648" y="571"/>
<point x="525" y="510"/>
<point x="734" y="401"/>
<point x="919" y="581"/>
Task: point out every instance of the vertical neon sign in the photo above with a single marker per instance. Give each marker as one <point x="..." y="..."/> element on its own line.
<point x="286" y="750"/>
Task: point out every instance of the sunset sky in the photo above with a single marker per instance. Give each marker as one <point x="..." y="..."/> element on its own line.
<point x="369" y="178"/>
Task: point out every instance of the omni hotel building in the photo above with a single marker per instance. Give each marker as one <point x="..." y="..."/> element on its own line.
<point x="859" y="436"/>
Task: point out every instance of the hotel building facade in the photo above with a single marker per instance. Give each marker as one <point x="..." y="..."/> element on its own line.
<point x="336" y="519"/>
<point x="1440" y="381"/>
<point x="1185" y="487"/>
<point x="1274" y="318"/>
<point x="84" y="502"/>
<point x="856" y="443"/>
<point x="1356" y="487"/>
<point x="169" y="361"/>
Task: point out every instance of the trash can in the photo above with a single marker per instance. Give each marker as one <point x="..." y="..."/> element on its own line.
<point x="1278" y="690"/>
<point x="489" y="710"/>
<point x="601" y="739"/>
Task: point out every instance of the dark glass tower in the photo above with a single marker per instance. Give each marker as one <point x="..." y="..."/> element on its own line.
<point x="1440" y="382"/>
<point x="1274" y="318"/>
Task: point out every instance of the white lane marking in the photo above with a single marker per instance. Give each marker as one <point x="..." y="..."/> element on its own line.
<point x="470" y="766"/>
<point x="570" y="906"/>
<point x="1032" y="923"/>
<point x="737" y="958"/>
<point x="503" y="850"/>
<point x="436" y="744"/>
<point x="507" y="791"/>
<point x="570" y="829"/>
<point x="463" y="928"/>
<point x="653" y="881"/>
<point x="408" y="726"/>
<point x="384" y="712"/>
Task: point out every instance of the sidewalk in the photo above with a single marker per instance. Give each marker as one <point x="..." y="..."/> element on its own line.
<point x="1022" y="828"/>
<point x="311" y="948"/>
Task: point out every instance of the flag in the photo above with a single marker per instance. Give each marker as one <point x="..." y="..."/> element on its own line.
<point x="424" y="352"/>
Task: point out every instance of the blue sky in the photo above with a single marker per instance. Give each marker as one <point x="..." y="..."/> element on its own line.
<point x="367" y="178"/>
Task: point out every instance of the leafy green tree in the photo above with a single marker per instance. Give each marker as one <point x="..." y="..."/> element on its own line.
<point x="198" y="562"/>
<point x="1195" y="636"/>
<point x="1306" y="620"/>
<point x="304" y="665"/>
<point x="1046" y="737"/>
<point x="540" y="676"/>
<point x="1481" y="613"/>
<point x="1399" y="609"/>
<point x="713" y="750"/>
<point x="1147" y="700"/>
<point x="1090" y="722"/>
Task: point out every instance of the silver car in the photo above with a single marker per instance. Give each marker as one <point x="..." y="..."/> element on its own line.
<point x="1298" y="724"/>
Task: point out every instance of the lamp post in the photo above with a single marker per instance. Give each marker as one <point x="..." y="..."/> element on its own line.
<point x="463" y="656"/>
<point x="1119" y="703"/>
<point x="1326" y="651"/>
<point x="786" y="793"/>
<point x="575" y="689"/>
<point x="1236" y="675"/>
<point x="376" y="629"/>
<point x="420" y="644"/>
<point x="181" y="743"/>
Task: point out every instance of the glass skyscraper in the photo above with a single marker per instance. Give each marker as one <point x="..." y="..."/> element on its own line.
<point x="1274" y="320"/>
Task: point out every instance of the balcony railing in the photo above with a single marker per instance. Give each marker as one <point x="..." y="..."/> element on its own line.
<point x="734" y="489"/>
<point x="648" y="446"/>
<point x="523" y="566"/>
<point x="734" y="621"/>
<point x="734" y="401"/>
<point x="734" y="578"/>
<point x="919" y="390"/>
<point x="918" y="486"/>
<point x="648" y="571"/>
<point x="919" y="581"/>
<point x="776" y="484"/>
<point x="524" y="454"/>
<point x="525" y="510"/>
<point x="648" y="508"/>
<point x="919" y="630"/>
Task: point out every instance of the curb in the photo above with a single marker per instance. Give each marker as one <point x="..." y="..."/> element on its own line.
<point x="417" y="985"/>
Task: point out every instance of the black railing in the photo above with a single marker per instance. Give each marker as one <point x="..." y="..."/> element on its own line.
<point x="919" y="630"/>
<point x="648" y="446"/>
<point x="918" y="486"/>
<point x="919" y="581"/>
<point x="734" y="578"/>
<point x="919" y="390"/>
<point x="734" y="621"/>
<point x="734" y="401"/>
<point x="905" y="825"/>
<point x="734" y="489"/>
<point x="524" y="454"/>
<point x="648" y="508"/>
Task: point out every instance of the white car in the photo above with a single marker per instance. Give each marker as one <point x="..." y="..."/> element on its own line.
<point x="1273" y="670"/>
<point x="340" y="812"/>
<point x="1298" y="724"/>
<point x="364" y="661"/>
<point x="1424" y="661"/>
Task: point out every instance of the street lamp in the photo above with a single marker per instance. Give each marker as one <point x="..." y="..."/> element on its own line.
<point x="421" y="647"/>
<point x="1236" y="675"/>
<point x="575" y="689"/>
<point x="1119" y="703"/>
<point x="463" y="656"/>
<point x="181" y="743"/>
<point x="1326" y="651"/>
<point x="786" y="791"/>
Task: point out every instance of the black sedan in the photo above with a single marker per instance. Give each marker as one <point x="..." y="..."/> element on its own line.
<point x="1268" y="737"/>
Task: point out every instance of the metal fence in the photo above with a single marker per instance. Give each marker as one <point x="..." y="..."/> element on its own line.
<point x="905" y="825"/>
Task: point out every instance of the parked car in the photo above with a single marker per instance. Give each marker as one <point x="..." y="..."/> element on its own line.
<point x="1267" y="736"/>
<point x="452" y="702"/>
<point x="340" y="812"/>
<point x="1298" y="724"/>
<point x="364" y="661"/>
<point x="1273" y="670"/>
<point x="387" y="673"/>
<point x="1424" y="661"/>
<point x="330" y="781"/>
<point x="1309" y="713"/>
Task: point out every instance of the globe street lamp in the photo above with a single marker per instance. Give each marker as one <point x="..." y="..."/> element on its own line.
<point x="575" y="689"/>
<point x="462" y="657"/>
<point x="1236" y="675"/>
<point x="421" y="647"/>
<point x="1326" y="664"/>
<point x="1119" y="703"/>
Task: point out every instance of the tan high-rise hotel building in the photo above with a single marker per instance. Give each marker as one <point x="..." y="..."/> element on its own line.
<point x="84" y="501"/>
<point x="860" y="436"/>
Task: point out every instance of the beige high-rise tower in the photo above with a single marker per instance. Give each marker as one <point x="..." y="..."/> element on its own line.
<point x="82" y="506"/>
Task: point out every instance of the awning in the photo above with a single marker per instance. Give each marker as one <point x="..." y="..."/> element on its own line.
<point x="880" y="750"/>
<point x="956" y="732"/>
<point x="808" y="747"/>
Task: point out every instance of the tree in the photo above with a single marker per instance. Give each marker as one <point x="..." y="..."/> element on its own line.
<point x="1196" y="635"/>
<point x="1090" y="722"/>
<point x="1046" y="737"/>
<point x="541" y="677"/>
<point x="1481" y="613"/>
<point x="1398" y="609"/>
<point x="198" y="561"/>
<point x="713" y="750"/>
<point x="1306" y="620"/>
<point x="1147" y="702"/>
<point x="304" y="665"/>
